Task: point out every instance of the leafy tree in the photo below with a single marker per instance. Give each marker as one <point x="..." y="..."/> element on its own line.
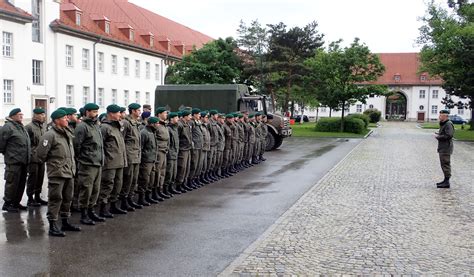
<point x="448" y="49"/>
<point x="341" y="76"/>
<point x="217" y="62"/>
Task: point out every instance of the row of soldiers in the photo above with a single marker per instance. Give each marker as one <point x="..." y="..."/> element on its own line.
<point x="121" y="162"/>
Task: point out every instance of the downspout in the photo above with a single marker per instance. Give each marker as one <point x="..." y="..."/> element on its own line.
<point x="429" y="108"/>
<point x="94" y="68"/>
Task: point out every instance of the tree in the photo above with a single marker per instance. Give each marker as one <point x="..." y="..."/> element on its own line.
<point x="287" y="51"/>
<point x="447" y="37"/>
<point x="341" y="76"/>
<point x="217" y="62"/>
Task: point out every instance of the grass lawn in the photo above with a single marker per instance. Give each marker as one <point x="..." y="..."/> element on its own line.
<point x="459" y="134"/>
<point x="307" y="130"/>
<point x="373" y="125"/>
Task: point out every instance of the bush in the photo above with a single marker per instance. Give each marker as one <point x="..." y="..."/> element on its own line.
<point x="365" y="118"/>
<point x="329" y="124"/>
<point x="354" y="125"/>
<point x="373" y="114"/>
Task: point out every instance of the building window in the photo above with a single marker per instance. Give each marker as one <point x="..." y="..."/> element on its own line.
<point x="8" y="91"/>
<point x="147" y="97"/>
<point x="157" y="72"/>
<point x="152" y="41"/>
<point x="107" y="27"/>
<point x="126" y="66"/>
<point x="423" y="78"/>
<point x="100" y="61"/>
<point x="372" y="95"/>
<point x="85" y="94"/>
<point x="36" y="24"/>
<point x="147" y="70"/>
<point x="371" y="106"/>
<point x="114" y="96"/>
<point x="37" y="72"/>
<point x="69" y="56"/>
<point x="126" y="97"/>
<point x="359" y="108"/>
<point x="114" y="64"/>
<point x="435" y="94"/>
<point x="69" y="96"/>
<point x="422" y="94"/>
<point x="460" y="111"/>
<point x="7" y="45"/>
<point x="78" y="19"/>
<point x="100" y="97"/>
<point x="397" y="78"/>
<point x="137" y="96"/>
<point x="132" y="35"/>
<point x="434" y="109"/>
<point x="422" y="107"/>
<point x="85" y="58"/>
<point x="323" y="109"/>
<point x="137" y="68"/>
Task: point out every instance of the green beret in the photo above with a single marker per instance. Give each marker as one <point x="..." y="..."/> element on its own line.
<point x="160" y="110"/>
<point x="444" y="112"/>
<point x="180" y="114"/>
<point x="213" y="112"/>
<point x="62" y="108"/>
<point x="58" y="114"/>
<point x="171" y="115"/>
<point x="251" y="116"/>
<point x="70" y="111"/>
<point x="153" y="120"/>
<point x="195" y="111"/>
<point x="229" y="115"/>
<point x="203" y="114"/>
<point x="14" y="112"/>
<point x="38" y="111"/>
<point x="185" y="113"/>
<point x="91" y="107"/>
<point x="82" y="111"/>
<point x="221" y="115"/>
<point x="123" y="109"/>
<point x="258" y="114"/>
<point x="241" y="115"/>
<point x="134" y="106"/>
<point x="113" y="108"/>
<point x="101" y="116"/>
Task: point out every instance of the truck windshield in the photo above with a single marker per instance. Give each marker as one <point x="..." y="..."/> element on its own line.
<point x="251" y="105"/>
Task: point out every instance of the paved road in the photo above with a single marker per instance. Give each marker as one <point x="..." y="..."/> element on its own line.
<point x="377" y="212"/>
<point x="196" y="234"/>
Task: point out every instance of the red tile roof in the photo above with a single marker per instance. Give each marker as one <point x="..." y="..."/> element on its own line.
<point x="120" y="13"/>
<point x="406" y="65"/>
<point x="6" y="7"/>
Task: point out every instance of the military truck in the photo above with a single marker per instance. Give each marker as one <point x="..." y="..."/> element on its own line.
<point x="226" y="99"/>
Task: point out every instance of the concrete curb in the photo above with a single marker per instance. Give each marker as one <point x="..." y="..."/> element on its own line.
<point x="228" y="271"/>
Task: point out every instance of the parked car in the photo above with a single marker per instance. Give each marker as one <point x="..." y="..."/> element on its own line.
<point x="456" y="119"/>
<point x="298" y="118"/>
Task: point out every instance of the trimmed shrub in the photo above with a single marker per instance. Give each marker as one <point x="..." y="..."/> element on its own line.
<point x="373" y="114"/>
<point x="329" y="124"/>
<point x="354" y="125"/>
<point x="365" y="118"/>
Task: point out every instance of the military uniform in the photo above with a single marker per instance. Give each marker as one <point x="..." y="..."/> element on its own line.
<point x="220" y="149"/>
<point x="184" y="154"/>
<point x="228" y="147"/>
<point x="36" y="169"/>
<point x="213" y="127"/>
<point x="445" y="149"/>
<point x="131" y="135"/>
<point x="206" y="151"/>
<point x="148" y="159"/>
<point x="263" y="138"/>
<point x="196" y="153"/>
<point x="235" y="146"/>
<point x="172" y="159"/>
<point x="15" y="146"/>
<point x="241" y="141"/>
<point x="162" y="142"/>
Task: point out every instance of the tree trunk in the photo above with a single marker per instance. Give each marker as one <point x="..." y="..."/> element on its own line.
<point x="342" y="116"/>
<point x="330" y="112"/>
<point x="288" y="92"/>
<point x="292" y="108"/>
<point x="472" y="119"/>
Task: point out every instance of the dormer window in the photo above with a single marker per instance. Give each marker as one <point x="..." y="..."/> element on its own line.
<point x="152" y="41"/>
<point x="127" y="30"/>
<point x="132" y="35"/>
<point x="423" y="78"/>
<point x="78" y="18"/>
<point x="397" y="77"/>
<point x="107" y="27"/>
<point x="149" y="38"/>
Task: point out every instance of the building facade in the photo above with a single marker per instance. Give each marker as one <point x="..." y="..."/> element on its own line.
<point x="67" y="53"/>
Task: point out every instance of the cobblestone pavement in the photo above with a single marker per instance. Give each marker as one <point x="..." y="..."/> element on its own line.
<point x="377" y="212"/>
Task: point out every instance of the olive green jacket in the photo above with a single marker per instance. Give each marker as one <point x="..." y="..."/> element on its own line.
<point x="56" y="148"/>
<point x="35" y="130"/>
<point x="221" y="137"/>
<point x="445" y="137"/>
<point x="162" y="136"/>
<point x="206" y="137"/>
<point x="185" y="136"/>
<point x="131" y="134"/>
<point x="15" y="143"/>
<point x="174" y="142"/>
<point x="228" y="134"/>
<point x="197" y="134"/>
<point x="148" y="144"/>
<point x="88" y="143"/>
<point x="114" y="144"/>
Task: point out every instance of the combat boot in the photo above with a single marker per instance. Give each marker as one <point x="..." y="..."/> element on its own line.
<point x="149" y="198"/>
<point x="180" y="188"/>
<point x="114" y="209"/>
<point x="85" y="217"/>
<point x="104" y="212"/>
<point x="142" y="201"/>
<point x="39" y="200"/>
<point x="32" y="203"/>
<point x="204" y="180"/>
<point x="124" y="205"/>
<point x="262" y="158"/>
<point x="444" y="185"/>
<point x="54" y="229"/>
<point x="131" y="203"/>
<point x="173" y="190"/>
<point x="9" y="207"/>
<point x="67" y="226"/>
<point x="155" y="195"/>
<point x="92" y="215"/>
<point x="161" y="195"/>
<point x="166" y="191"/>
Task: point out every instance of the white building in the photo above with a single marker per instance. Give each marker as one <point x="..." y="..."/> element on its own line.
<point x="67" y="53"/>
<point x="416" y="96"/>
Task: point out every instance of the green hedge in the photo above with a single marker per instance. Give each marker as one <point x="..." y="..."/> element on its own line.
<point x="373" y="114"/>
<point x="333" y="124"/>
<point x="365" y="118"/>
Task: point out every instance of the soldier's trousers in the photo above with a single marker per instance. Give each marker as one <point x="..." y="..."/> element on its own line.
<point x="196" y="163"/>
<point x="184" y="166"/>
<point x="35" y="180"/>
<point x="171" y="172"/>
<point x="60" y="192"/>
<point x="211" y="158"/>
<point x="219" y="160"/>
<point x="256" y="150"/>
<point x="263" y="145"/>
<point x="130" y="178"/>
<point x="227" y="158"/>
<point x="15" y="181"/>
<point x="235" y="153"/>
<point x="205" y="165"/>
<point x="88" y="180"/>
<point x="445" y="160"/>
<point x="111" y="185"/>
<point x="245" y="156"/>
<point x="241" y="152"/>
<point x="144" y="177"/>
<point x="160" y="171"/>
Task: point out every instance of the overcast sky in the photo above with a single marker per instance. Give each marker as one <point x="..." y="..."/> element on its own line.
<point x="384" y="25"/>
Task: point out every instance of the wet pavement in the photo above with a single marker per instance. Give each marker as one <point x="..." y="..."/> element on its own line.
<point x="195" y="234"/>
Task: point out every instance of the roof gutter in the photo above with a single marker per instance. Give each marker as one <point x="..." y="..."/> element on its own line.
<point x="15" y="17"/>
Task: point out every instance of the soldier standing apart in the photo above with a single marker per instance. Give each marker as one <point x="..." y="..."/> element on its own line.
<point x="115" y="159"/>
<point x="196" y="153"/>
<point x="35" y="130"/>
<point x="252" y="139"/>
<point x="89" y="150"/>
<point x="172" y="156"/>
<point x="131" y="134"/>
<point x="445" y="146"/>
<point x="162" y="143"/>
<point x="16" y="150"/>
<point x="57" y="150"/>
<point x="184" y="153"/>
<point x="264" y="127"/>
<point x="148" y="159"/>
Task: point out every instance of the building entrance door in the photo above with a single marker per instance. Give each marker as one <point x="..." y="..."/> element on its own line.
<point x="421" y="117"/>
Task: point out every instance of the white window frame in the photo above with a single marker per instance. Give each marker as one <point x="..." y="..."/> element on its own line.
<point x="85" y="95"/>
<point x="132" y="35"/>
<point x="137" y="68"/>
<point x="126" y="66"/>
<point x="100" y="61"/>
<point x="85" y="59"/>
<point x="114" y="64"/>
<point x="371" y="106"/>
<point x="36" y="24"/>
<point x="435" y="94"/>
<point x="422" y="94"/>
<point x="147" y="97"/>
<point x="147" y="70"/>
<point x="37" y="73"/>
<point x="460" y="111"/>
<point x="78" y="18"/>
<point x="157" y="72"/>
<point x="100" y="97"/>
<point x="359" y="108"/>
<point x="137" y="96"/>
<point x="434" y="109"/>
<point x="107" y="27"/>
<point x="69" y="56"/>
<point x="114" y="96"/>
<point x="7" y="44"/>
<point x="126" y="97"/>
<point x="8" y="92"/>
<point x="323" y="109"/>
<point x="69" y="95"/>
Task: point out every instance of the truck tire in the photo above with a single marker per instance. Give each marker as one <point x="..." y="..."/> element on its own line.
<point x="271" y="141"/>
<point x="278" y="142"/>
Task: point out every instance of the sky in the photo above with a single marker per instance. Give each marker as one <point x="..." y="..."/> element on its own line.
<point x="384" y="25"/>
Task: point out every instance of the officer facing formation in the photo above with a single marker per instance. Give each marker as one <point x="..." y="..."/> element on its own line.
<point x="445" y="146"/>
